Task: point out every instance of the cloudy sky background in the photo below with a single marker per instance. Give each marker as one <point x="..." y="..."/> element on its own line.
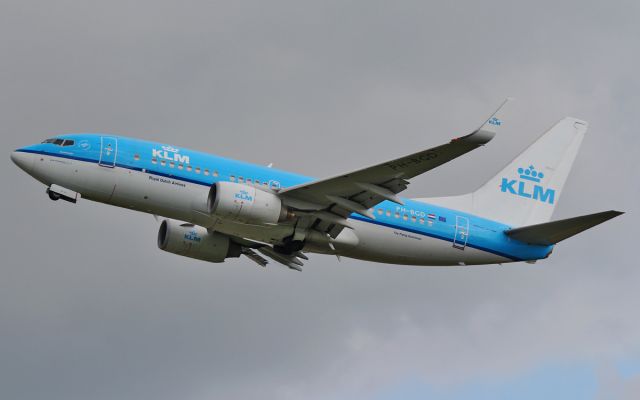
<point x="90" y="309"/>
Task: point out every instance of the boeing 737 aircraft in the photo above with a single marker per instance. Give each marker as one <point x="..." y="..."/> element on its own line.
<point x="217" y="208"/>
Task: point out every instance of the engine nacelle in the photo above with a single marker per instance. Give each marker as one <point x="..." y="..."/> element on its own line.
<point x="244" y="203"/>
<point x="196" y="242"/>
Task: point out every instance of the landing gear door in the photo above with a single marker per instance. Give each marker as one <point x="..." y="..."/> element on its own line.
<point x="108" y="151"/>
<point x="462" y="232"/>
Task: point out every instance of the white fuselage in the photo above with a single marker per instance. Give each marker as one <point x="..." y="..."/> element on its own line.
<point x="175" y="199"/>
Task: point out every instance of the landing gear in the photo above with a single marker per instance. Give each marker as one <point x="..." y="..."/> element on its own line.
<point x="289" y="247"/>
<point x="53" y="196"/>
<point x="57" y="192"/>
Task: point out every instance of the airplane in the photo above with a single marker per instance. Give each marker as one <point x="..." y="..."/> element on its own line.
<point x="218" y="208"/>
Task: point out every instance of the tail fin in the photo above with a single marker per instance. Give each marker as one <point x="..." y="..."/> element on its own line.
<point x="550" y="233"/>
<point x="527" y="190"/>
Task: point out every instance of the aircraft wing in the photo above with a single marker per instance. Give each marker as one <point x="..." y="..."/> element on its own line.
<point x="330" y="201"/>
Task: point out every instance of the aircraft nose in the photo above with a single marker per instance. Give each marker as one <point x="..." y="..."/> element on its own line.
<point x="23" y="160"/>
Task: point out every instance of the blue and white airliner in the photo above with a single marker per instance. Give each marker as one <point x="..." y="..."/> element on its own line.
<point x="217" y="208"/>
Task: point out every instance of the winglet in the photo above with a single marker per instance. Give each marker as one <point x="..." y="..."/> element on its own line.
<point x="488" y="130"/>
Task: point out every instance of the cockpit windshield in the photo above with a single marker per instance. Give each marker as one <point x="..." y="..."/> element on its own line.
<point x="59" y="142"/>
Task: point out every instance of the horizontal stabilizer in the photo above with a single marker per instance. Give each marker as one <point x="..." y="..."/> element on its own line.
<point x="553" y="232"/>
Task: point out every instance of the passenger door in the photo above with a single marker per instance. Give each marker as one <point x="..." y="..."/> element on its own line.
<point x="108" y="151"/>
<point x="462" y="232"/>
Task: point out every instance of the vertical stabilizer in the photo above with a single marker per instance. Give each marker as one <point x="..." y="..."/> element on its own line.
<point x="527" y="190"/>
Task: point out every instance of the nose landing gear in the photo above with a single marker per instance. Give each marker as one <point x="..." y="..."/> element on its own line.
<point x="53" y="195"/>
<point x="56" y="193"/>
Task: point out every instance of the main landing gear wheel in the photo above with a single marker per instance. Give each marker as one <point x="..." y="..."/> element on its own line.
<point x="289" y="247"/>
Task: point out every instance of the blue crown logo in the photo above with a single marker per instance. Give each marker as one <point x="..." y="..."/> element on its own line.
<point x="495" y="121"/>
<point x="170" y="149"/>
<point x="530" y="174"/>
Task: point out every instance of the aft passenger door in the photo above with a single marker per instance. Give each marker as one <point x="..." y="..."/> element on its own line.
<point x="108" y="151"/>
<point x="462" y="232"/>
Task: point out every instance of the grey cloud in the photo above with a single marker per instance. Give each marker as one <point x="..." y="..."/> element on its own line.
<point x="90" y="309"/>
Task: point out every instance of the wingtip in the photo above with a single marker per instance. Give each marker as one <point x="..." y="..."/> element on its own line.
<point x="577" y="121"/>
<point x="611" y="214"/>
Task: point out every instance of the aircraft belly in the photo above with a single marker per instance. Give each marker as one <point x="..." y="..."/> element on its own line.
<point x="395" y="246"/>
<point x="168" y="197"/>
<point x="176" y="199"/>
<point x="91" y="181"/>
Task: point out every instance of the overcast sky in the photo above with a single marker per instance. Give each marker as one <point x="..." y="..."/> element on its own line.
<point x="91" y="309"/>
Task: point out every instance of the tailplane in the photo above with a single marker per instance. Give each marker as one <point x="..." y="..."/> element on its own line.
<point x="527" y="190"/>
<point x="550" y="233"/>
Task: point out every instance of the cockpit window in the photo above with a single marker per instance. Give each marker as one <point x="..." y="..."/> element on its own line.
<point x="57" y="142"/>
<point x="68" y="142"/>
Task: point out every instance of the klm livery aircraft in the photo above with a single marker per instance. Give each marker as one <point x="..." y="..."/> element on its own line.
<point x="217" y="208"/>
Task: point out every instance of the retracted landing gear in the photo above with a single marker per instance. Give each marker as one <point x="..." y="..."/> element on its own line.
<point x="53" y="195"/>
<point x="289" y="247"/>
<point x="57" y="192"/>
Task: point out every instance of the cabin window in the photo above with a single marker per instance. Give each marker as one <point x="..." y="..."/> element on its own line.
<point x="154" y="160"/>
<point x="197" y="170"/>
<point x="405" y="217"/>
<point x="380" y="212"/>
<point x="413" y="219"/>
<point x="388" y="213"/>
<point x="422" y="221"/>
<point x="180" y="166"/>
<point x="249" y="180"/>
<point x="136" y="157"/>
<point x="189" y="168"/>
<point x="215" y="173"/>
<point x="206" y="172"/>
<point x="232" y="178"/>
<point x="397" y="215"/>
<point x="172" y="164"/>
<point x="240" y="179"/>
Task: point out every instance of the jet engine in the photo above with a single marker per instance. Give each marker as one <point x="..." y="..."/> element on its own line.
<point x="244" y="203"/>
<point x="196" y="242"/>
